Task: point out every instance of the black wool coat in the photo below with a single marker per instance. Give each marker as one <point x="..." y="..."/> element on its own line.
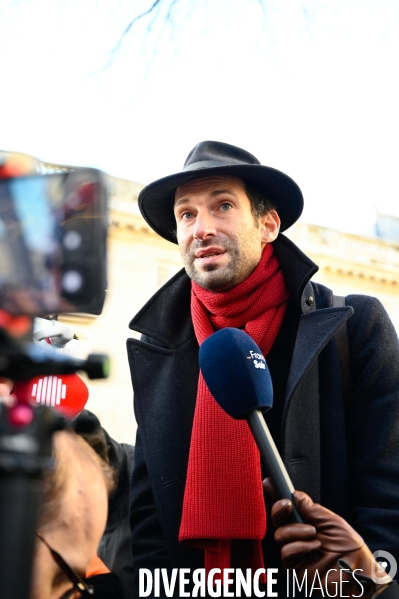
<point x="344" y="456"/>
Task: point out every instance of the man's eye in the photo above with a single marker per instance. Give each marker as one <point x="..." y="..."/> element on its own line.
<point x="186" y="215"/>
<point x="225" y="206"/>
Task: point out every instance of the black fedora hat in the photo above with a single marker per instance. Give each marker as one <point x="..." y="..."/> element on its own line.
<point x="210" y="158"/>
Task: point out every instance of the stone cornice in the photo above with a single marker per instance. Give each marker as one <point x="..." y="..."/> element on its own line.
<point x="347" y="255"/>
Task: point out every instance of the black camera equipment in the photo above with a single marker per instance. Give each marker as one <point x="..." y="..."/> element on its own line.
<point x="52" y="260"/>
<point x="53" y="243"/>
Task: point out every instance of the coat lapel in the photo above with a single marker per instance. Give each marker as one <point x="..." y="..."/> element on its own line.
<point x="301" y="416"/>
<point x="314" y="332"/>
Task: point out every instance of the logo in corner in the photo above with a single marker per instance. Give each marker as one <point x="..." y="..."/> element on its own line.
<point x="385" y="568"/>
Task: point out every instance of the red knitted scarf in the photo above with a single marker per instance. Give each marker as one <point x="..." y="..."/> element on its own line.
<point x="223" y="499"/>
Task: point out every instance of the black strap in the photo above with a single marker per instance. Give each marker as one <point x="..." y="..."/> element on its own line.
<point x="342" y="340"/>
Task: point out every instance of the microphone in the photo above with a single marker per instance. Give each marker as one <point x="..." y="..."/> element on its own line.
<point x="66" y="393"/>
<point x="238" y="377"/>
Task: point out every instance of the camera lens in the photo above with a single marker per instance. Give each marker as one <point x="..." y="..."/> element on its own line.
<point x="72" y="282"/>
<point x="77" y="238"/>
<point x="72" y="240"/>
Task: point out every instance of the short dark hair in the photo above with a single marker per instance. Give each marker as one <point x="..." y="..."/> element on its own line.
<point x="260" y="203"/>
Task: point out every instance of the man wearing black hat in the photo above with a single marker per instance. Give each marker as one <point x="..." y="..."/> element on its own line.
<point x="196" y="498"/>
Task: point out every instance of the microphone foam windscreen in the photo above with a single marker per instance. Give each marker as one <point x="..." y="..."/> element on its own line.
<point x="67" y="393"/>
<point x="236" y="372"/>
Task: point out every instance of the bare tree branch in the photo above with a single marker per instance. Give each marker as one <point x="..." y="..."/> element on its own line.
<point x="156" y="5"/>
<point x="140" y="16"/>
<point x="263" y="7"/>
<point x="170" y="9"/>
<point x="154" y="10"/>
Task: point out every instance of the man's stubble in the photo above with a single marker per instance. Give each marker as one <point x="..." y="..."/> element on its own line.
<point x="244" y="252"/>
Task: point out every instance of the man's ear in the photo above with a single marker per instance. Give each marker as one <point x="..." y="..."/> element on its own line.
<point x="270" y="226"/>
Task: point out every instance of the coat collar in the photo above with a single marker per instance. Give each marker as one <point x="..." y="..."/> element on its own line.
<point x="297" y="269"/>
<point x="166" y="317"/>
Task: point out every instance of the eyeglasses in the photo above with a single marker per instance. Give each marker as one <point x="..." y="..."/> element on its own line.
<point x="80" y="587"/>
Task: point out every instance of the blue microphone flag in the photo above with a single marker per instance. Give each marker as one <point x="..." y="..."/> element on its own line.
<point x="236" y="372"/>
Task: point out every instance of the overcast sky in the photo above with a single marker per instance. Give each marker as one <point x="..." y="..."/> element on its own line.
<point x="308" y="86"/>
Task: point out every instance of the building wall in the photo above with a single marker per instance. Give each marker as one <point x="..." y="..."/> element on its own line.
<point x="140" y="262"/>
<point x="352" y="264"/>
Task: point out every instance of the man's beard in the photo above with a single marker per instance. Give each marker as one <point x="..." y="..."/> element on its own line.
<point x="221" y="278"/>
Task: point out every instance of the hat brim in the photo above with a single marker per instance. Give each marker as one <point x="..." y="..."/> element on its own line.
<point x="156" y="200"/>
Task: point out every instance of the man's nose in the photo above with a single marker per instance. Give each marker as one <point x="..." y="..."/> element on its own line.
<point x="205" y="225"/>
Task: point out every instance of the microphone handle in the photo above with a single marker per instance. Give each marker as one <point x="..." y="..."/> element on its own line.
<point x="272" y="460"/>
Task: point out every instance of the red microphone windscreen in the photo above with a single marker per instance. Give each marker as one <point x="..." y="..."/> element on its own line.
<point x="66" y="393"/>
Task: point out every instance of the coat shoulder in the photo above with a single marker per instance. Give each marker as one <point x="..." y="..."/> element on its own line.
<point x="166" y="317"/>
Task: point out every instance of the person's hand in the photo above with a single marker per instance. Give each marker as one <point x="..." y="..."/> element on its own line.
<point x="326" y="543"/>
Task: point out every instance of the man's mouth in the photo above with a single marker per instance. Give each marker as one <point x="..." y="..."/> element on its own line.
<point x="209" y="254"/>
